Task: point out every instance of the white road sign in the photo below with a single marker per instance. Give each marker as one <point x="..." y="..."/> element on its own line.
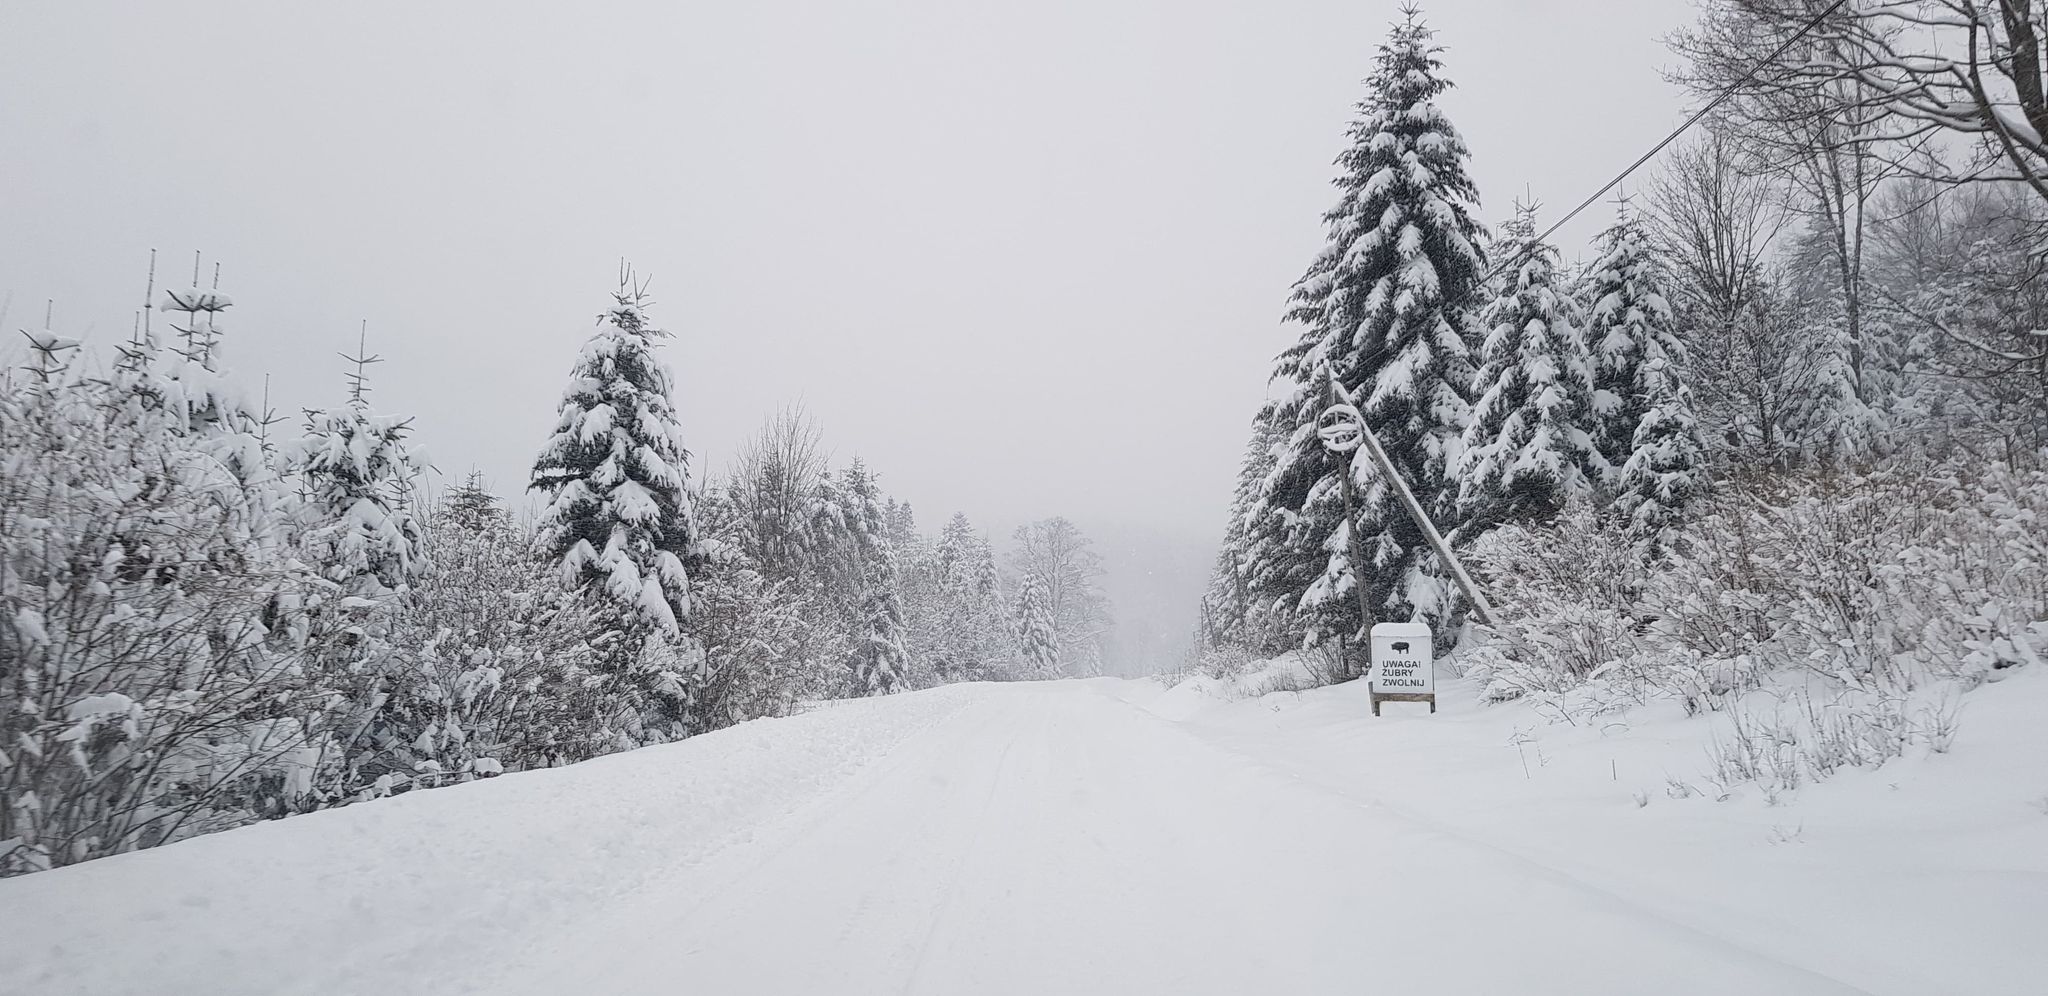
<point x="1402" y="661"/>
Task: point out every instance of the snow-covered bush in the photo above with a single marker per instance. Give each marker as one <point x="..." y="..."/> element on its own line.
<point x="488" y="669"/>
<point x="761" y="644"/>
<point x="145" y="694"/>
<point x="1877" y="580"/>
<point x="1569" y="589"/>
<point x="1221" y="661"/>
<point x="1783" y="742"/>
<point x="1878" y="583"/>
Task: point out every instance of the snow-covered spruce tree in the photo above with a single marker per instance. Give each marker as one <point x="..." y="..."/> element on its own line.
<point x="471" y="505"/>
<point x="356" y="526"/>
<point x="1037" y="637"/>
<point x="618" y="519"/>
<point x="1644" y="431"/>
<point x="996" y="634"/>
<point x="929" y="619"/>
<point x="1628" y="319"/>
<point x="189" y="388"/>
<point x="954" y="552"/>
<point x="1278" y="562"/>
<point x="960" y="629"/>
<point x="195" y="388"/>
<point x="1229" y="615"/>
<point x="987" y="579"/>
<point x="1385" y="309"/>
<point x="880" y="666"/>
<point x="357" y="473"/>
<point x="902" y="525"/>
<point x="136" y="369"/>
<point x="1667" y="468"/>
<point x="1064" y="561"/>
<point x="1527" y="450"/>
<point x="984" y="637"/>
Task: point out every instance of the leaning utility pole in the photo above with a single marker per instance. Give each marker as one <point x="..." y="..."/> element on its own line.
<point x="1343" y="429"/>
<point x="1340" y="436"/>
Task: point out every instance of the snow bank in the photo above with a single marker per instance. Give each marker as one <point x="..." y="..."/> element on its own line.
<point x="1927" y="873"/>
<point x="1188" y="698"/>
<point x="1111" y="836"/>
<point x="372" y="897"/>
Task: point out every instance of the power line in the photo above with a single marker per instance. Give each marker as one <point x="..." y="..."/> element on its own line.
<point x="1719" y="99"/>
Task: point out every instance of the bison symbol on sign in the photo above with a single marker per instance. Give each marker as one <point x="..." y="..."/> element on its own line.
<point x="1401" y="647"/>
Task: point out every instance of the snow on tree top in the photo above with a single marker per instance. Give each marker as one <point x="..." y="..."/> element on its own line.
<point x="46" y="341"/>
<point x="195" y="300"/>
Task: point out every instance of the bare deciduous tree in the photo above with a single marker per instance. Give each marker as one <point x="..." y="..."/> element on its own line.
<point x="1055" y="552"/>
<point x="1752" y="371"/>
<point x="773" y="489"/>
<point x="1823" y="138"/>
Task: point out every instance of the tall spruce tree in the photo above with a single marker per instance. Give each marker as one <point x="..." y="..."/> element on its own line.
<point x="1231" y="614"/>
<point x="618" y="519"/>
<point x="1276" y="565"/>
<point x="954" y="556"/>
<point x="1628" y="321"/>
<point x="1037" y="636"/>
<point x="1666" y="469"/>
<point x="1386" y="310"/>
<point x="358" y="528"/>
<point x="880" y="665"/>
<point x="1646" y="436"/>
<point x="1527" y="450"/>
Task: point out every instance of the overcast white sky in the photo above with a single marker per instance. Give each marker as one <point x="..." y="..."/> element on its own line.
<point x="1025" y="258"/>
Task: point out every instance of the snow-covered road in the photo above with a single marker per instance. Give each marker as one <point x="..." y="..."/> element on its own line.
<point x="1049" y="838"/>
<point x="1054" y="839"/>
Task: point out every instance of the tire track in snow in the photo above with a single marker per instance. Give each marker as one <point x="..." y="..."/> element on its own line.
<point x="1537" y="868"/>
<point x="957" y="881"/>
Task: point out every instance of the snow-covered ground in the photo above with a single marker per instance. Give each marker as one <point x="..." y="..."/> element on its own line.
<point x="1105" y="837"/>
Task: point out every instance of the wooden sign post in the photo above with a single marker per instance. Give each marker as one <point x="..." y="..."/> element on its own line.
<point x="1403" y="665"/>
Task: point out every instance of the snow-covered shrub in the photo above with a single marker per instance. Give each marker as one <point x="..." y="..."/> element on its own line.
<point x="488" y="669"/>
<point x="1568" y="588"/>
<point x="1877" y="583"/>
<point x="1221" y="662"/>
<point x="761" y="644"/>
<point x="145" y="694"/>
<point x="1876" y="580"/>
<point x="1783" y="742"/>
<point x="1328" y="664"/>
